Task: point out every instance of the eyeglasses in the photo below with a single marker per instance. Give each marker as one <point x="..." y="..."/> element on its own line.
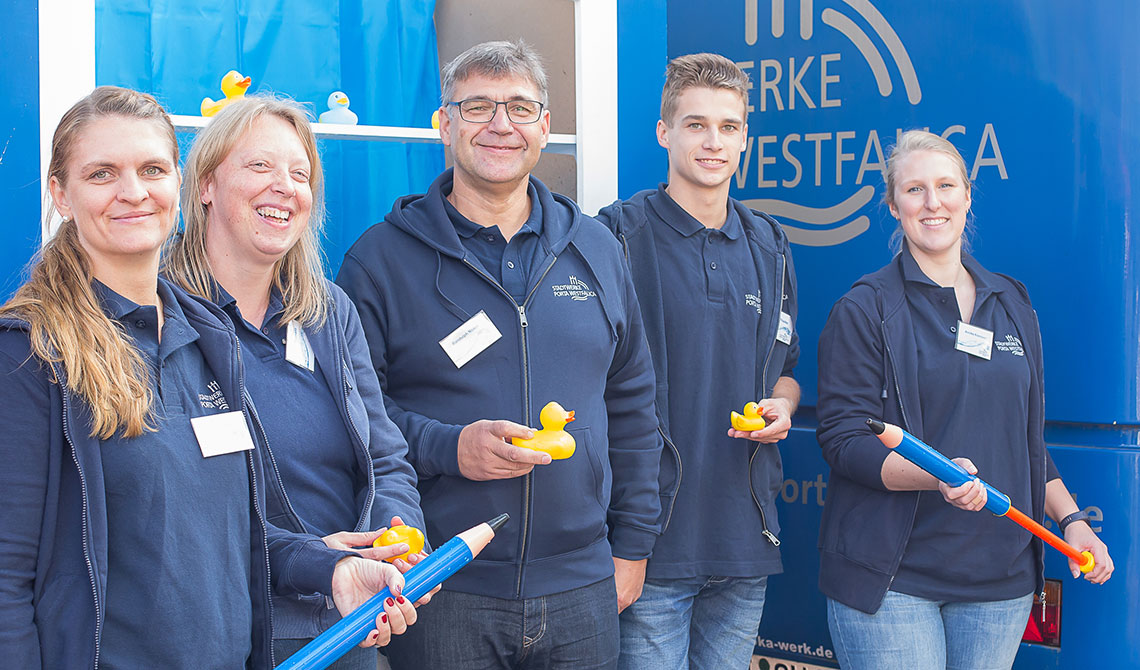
<point x="479" y="110"/>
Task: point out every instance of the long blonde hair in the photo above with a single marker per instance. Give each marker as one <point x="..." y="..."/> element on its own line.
<point x="66" y="322"/>
<point x="299" y="274"/>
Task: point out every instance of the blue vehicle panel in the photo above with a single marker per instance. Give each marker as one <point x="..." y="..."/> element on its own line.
<point x="1040" y="97"/>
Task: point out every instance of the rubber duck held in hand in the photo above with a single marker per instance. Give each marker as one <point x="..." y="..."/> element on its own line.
<point x="750" y="420"/>
<point x="338" y="110"/>
<point x="234" y="86"/>
<point x="553" y="438"/>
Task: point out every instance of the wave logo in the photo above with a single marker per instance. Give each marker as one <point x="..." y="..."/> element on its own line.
<point x="575" y="289"/>
<point x="838" y="223"/>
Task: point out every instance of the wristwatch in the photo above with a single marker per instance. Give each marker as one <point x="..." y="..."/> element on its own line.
<point x="1079" y="515"/>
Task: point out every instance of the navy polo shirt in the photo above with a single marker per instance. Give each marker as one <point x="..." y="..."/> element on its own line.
<point x="178" y="524"/>
<point x="711" y="300"/>
<point x="302" y="422"/>
<point x="508" y="263"/>
<point x="978" y="409"/>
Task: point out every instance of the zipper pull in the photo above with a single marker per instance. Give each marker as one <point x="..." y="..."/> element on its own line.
<point x="771" y="538"/>
<point x="1042" y="607"/>
<point x="522" y="316"/>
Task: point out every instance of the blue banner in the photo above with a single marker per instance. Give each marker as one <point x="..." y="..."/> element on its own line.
<point x="1041" y="99"/>
<point x="1039" y="96"/>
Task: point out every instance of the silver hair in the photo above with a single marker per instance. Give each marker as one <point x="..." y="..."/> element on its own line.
<point x="495" y="59"/>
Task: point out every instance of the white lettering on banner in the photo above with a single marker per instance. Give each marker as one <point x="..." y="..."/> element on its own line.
<point x="827" y="158"/>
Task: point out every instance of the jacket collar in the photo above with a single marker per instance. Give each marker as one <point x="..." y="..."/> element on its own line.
<point x="425" y="217"/>
<point x="466" y="228"/>
<point x="985" y="281"/>
<point x="229" y="305"/>
<point x="672" y="213"/>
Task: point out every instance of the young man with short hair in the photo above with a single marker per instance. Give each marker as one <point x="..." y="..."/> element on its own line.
<point x="718" y="296"/>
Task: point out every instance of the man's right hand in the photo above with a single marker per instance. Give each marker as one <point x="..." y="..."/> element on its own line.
<point x="486" y="453"/>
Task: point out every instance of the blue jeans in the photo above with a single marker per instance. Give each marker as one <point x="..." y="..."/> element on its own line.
<point x="702" y="623"/>
<point x="354" y="659"/>
<point x="572" y="630"/>
<point x="911" y="632"/>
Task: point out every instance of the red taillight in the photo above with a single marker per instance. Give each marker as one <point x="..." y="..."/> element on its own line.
<point x="1044" y="626"/>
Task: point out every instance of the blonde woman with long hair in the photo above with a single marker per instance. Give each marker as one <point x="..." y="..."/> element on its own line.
<point x="253" y="212"/>
<point x="134" y="530"/>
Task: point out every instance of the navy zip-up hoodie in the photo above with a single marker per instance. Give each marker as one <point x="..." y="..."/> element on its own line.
<point x="381" y="456"/>
<point x="53" y="557"/>
<point x="771" y="251"/>
<point x="868" y="368"/>
<point x="576" y="339"/>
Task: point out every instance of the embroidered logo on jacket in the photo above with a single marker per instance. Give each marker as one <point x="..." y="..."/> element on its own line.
<point x="1011" y="344"/>
<point x="753" y="300"/>
<point x="214" y="399"/>
<point x="575" y="289"/>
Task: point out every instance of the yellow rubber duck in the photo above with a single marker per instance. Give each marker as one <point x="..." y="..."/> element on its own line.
<point x="233" y="86"/>
<point x="750" y="420"/>
<point x="553" y="438"/>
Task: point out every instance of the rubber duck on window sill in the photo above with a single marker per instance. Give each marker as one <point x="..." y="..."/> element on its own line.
<point x="751" y="419"/>
<point x="338" y="110"/>
<point x="553" y="438"/>
<point x="234" y="86"/>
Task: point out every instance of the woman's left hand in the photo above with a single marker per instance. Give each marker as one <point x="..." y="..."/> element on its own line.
<point x="1081" y="536"/>
<point x="356" y="579"/>
<point x="361" y="543"/>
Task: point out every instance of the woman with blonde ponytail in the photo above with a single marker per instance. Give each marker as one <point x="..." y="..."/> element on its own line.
<point x="253" y="211"/>
<point x="133" y="531"/>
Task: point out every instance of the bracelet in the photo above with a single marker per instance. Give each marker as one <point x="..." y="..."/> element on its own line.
<point x="1079" y="515"/>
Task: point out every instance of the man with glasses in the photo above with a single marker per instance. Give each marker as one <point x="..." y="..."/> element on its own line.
<point x="483" y="300"/>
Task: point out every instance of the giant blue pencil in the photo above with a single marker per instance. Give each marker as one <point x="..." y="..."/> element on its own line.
<point x="423" y="577"/>
<point x="926" y="457"/>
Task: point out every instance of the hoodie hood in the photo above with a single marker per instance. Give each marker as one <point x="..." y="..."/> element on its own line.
<point x="423" y="217"/>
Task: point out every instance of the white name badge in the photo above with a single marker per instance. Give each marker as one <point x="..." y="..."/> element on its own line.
<point x="223" y="433"/>
<point x="974" y="340"/>
<point x="298" y="351"/>
<point x="784" y="332"/>
<point x="467" y="341"/>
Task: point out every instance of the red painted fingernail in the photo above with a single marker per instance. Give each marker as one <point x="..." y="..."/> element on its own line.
<point x="383" y="619"/>
<point x="390" y="602"/>
<point x="400" y="600"/>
